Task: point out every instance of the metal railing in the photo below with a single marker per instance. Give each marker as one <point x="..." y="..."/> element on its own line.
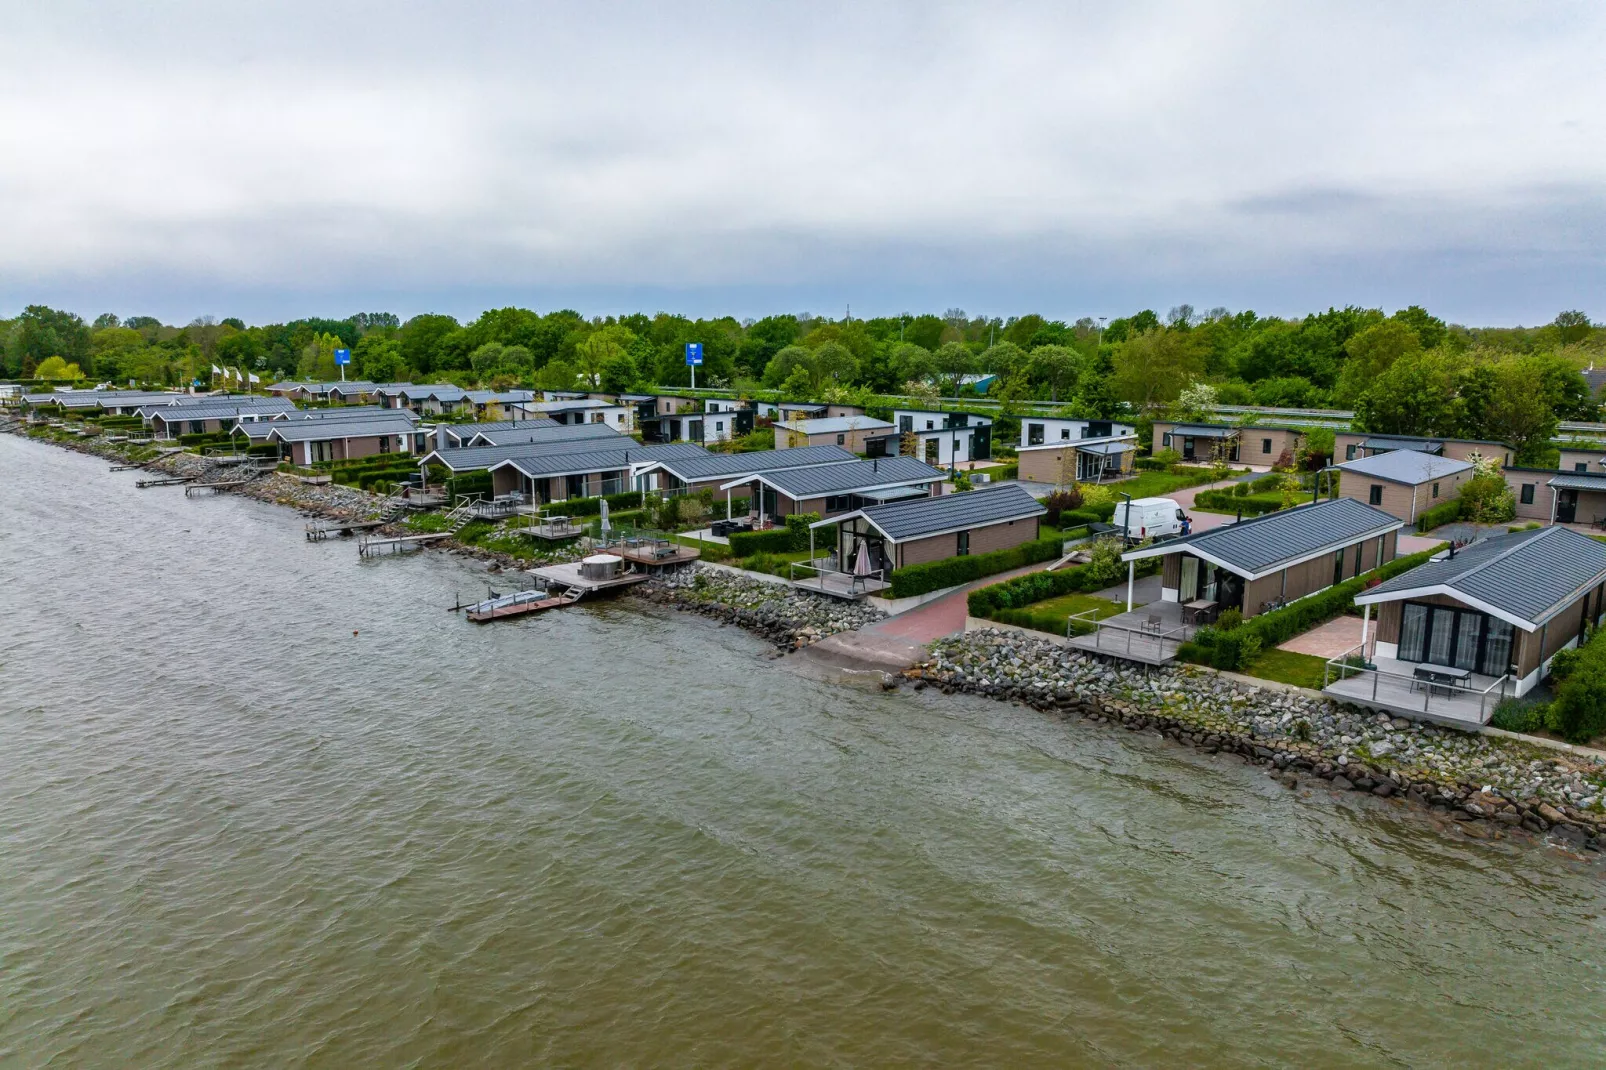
<point x="825" y="567"/>
<point x="1352" y="663"/>
<point x="1156" y="634"/>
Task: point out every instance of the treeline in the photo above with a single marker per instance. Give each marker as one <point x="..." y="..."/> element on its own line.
<point x="1405" y="373"/>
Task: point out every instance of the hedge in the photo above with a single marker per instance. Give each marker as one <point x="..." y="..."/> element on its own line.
<point x="593" y="506"/>
<point x="794" y="535"/>
<point x="1225" y="501"/>
<point x="1233" y="648"/>
<point x="935" y="575"/>
<point x="1443" y="513"/>
<point x="1579" y="712"/>
<point x="1023" y="591"/>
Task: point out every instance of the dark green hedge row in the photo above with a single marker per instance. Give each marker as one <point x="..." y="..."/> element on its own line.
<point x="794" y="536"/>
<point x="1225" y="501"/>
<point x="1023" y="591"/>
<point x="935" y="575"/>
<point x="209" y="438"/>
<point x="1233" y="648"/>
<point x="1579" y="712"/>
<point x="1443" y="513"/>
<point x="593" y="506"/>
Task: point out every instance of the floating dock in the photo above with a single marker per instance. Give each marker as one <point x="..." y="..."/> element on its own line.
<point x="169" y="481"/>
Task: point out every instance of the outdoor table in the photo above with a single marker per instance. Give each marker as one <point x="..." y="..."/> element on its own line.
<point x="1199" y="609"/>
<point x="1442" y="676"/>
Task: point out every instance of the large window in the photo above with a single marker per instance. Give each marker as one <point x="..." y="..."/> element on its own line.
<point x="1463" y="638"/>
<point x="1034" y="434"/>
<point x="1528" y="493"/>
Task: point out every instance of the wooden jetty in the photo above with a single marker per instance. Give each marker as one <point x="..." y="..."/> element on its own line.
<point x="169" y="481"/>
<point x="520" y="603"/>
<point x="217" y="487"/>
<point x="127" y="467"/>
<point x="398" y="544"/>
<point x="319" y="530"/>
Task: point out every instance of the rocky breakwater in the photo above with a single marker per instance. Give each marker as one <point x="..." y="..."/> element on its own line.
<point x="1477" y="780"/>
<point x="789" y="618"/>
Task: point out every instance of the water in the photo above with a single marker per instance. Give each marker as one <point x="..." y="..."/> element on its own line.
<point x="233" y="832"/>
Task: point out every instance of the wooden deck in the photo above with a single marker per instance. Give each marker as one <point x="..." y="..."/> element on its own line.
<point x="520" y="604"/>
<point x="570" y="576"/>
<point x="169" y="481"/>
<point x="672" y="555"/>
<point x="399" y="544"/>
<point x="217" y="487"/>
<point x="319" y="530"/>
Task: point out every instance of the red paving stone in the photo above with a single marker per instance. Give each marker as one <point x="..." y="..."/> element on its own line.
<point x="1329" y="640"/>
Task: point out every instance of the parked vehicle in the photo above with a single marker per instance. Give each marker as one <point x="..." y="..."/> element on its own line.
<point x="1151" y="518"/>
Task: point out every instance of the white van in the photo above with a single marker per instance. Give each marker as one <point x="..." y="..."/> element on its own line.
<point x="1149" y="518"/>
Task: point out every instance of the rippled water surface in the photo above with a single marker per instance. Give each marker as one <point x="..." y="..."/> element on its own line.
<point x="264" y="804"/>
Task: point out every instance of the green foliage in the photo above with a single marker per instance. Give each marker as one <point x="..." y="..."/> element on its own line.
<point x="1487" y="499"/>
<point x="748" y="543"/>
<point x="1515" y="715"/>
<point x="1232" y="648"/>
<point x="1059" y="502"/>
<point x="1023" y="591"/>
<point x="629" y="499"/>
<point x="1236" y="500"/>
<point x="935" y="575"/>
<point x="1579" y="712"/>
<point x="1446" y="512"/>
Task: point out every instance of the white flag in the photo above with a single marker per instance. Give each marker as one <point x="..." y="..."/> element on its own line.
<point x="254" y="379"/>
<point x="216" y="370"/>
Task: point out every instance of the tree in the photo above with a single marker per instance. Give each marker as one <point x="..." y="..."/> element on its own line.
<point x="953" y="362"/>
<point x="108" y="319"/>
<point x="620" y="373"/>
<point x="1430" y="330"/>
<point x="1416" y="396"/>
<point x="1152" y="368"/>
<point x="1370" y="353"/>
<point x="785" y="362"/>
<point x="911" y="362"/>
<point x="1573" y="326"/>
<point x="424" y="342"/>
<point x="599" y="348"/>
<point x="56" y="368"/>
<point x="43" y="332"/>
<point x="1056" y="367"/>
<point x="1196" y="401"/>
<point x="1506" y="401"/>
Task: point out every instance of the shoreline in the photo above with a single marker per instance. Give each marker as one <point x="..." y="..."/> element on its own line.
<point x="1294" y="737"/>
<point x="1425" y="766"/>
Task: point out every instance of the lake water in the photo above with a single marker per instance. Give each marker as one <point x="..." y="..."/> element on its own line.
<point x="262" y="803"/>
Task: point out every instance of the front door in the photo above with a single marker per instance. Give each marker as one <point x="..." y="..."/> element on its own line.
<point x="1566" y="506"/>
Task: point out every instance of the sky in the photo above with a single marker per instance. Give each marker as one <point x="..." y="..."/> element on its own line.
<point x="278" y="160"/>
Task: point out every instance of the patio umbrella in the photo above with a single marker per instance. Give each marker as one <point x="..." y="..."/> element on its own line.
<point x="606" y="527"/>
<point x="861" y="561"/>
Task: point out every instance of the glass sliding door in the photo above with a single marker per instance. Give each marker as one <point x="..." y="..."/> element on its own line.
<point x="1441" y="634"/>
<point x="1413" y="630"/>
<point x="1468" y="633"/>
<point x="1497" y="647"/>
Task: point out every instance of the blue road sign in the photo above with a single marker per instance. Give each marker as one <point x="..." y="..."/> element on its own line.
<point x="342" y="356"/>
<point x="694" y="353"/>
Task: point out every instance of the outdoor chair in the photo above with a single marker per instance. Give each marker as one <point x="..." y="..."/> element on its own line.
<point x="1153" y="624"/>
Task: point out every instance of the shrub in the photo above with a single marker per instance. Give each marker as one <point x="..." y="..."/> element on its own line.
<point x="1231" y="501"/>
<point x="1022" y="591"/>
<point x="1059" y="502"/>
<point x="1229" y="619"/>
<point x="630" y="499"/>
<point x="1443" y="513"/>
<point x="1095" y="495"/>
<point x="748" y="543"/>
<point x="1514" y="715"/>
<point x="1579" y="712"/>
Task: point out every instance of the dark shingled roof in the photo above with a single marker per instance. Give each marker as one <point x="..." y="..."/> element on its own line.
<point x="534" y="442"/>
<point x="922" y="517"/>
<point x="222" y="410"/>
<point x="730" y="465"/>
<point x="1254" y="547"/>
<point x="1529" y="575"/>
<point x="814" y="482"/>
<point x="1579" y="481"/>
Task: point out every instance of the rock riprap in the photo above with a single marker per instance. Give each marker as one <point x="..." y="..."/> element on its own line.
<point x="789" y="618"/>
<point x="1469" y="774"/>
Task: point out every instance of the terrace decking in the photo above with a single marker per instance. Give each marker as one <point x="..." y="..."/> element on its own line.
<point x="319" y="530"/>
<point x="1148" y="635"/>
<point x="1393" y="688"/>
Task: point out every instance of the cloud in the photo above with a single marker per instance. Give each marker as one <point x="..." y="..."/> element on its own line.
<point x="1018" y="155"/>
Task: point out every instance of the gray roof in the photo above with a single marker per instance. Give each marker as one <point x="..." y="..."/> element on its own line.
<point x="1270" y="542"/>
<point x="1405" y="466"/>
<point x="923" y="517"/>
<point x="1578" y="481"/>
<point x="220" y="409"/>
<point x="1527" y="575"/>
<point x="597" y="460"/>
<point x="353" y="386"/>
<point x="838" y="424"/>
<point x="849" y="477"/>
<point x="540" y="441"/>
<point x="494" y="430"/>
<point x="570" y="405"/>
<point x="730" y="465"/>
<point x="1104" y="446"/>
<point x="322" y="430"/>
<point x="1205" y="430"/>
<point x="260" y="428"/>
<point x="1400" y="442"/>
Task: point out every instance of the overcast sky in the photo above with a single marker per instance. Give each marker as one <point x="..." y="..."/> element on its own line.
<point x="286" y="159"/>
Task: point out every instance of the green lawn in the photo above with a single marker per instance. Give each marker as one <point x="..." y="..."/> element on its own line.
<point x="1156" y="484"/>
<point x="1051" y="614"/>
<point x="1284" y="666"/>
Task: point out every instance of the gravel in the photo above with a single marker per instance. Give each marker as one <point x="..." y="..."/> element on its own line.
<point x="1470" y="774"/>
